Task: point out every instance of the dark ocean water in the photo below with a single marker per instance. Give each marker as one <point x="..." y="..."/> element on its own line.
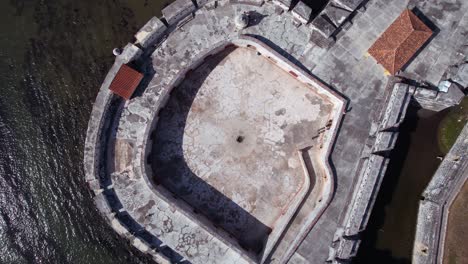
<point x="53" y="58"/>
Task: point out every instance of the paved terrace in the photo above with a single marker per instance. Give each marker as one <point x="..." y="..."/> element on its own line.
<point x="344" y="67"/>
<point x="227" y="142"/>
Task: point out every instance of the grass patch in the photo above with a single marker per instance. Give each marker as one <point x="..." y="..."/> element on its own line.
<point x="452" y="125"/>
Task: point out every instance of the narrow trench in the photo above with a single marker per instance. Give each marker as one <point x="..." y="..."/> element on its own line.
<point x="390" y="233"/>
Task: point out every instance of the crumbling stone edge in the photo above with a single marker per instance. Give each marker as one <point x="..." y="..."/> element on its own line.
<point x="436" y="200"/>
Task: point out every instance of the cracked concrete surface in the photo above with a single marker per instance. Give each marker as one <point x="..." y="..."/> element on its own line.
<point x="227" y="141"/>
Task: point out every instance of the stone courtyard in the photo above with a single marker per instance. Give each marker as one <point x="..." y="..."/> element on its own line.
<point x="228" y="141"/>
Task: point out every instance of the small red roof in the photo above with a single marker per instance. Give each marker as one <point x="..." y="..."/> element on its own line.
<point x="402" y="39"/>
<point x="125" y="82"/>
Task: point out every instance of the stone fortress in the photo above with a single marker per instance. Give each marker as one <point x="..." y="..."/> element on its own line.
<point x="259" y="131"/>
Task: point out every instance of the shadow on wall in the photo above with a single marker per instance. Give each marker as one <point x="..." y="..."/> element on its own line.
<point x="171" y="170"/>
<point x="108" y="137"/>
<point x="313" y="179"/>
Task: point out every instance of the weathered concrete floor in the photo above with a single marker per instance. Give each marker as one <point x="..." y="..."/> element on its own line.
<point x="227" y="141"/>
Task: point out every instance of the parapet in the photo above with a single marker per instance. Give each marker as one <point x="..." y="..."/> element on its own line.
<point x="395" y="113"/>
<point x="150" y="32"/>
<point x="178" y="10"/>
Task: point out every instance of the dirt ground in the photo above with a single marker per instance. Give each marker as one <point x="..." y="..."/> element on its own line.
<point x="456" y="250"/>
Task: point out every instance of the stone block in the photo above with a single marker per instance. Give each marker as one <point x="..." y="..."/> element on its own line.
<point x="322" y="24"/>
<point x="336" y="14"/>
<point x="302" y="12"/>
<point x="178" y="10"/>
<point x="425" y="93"/>
<point x="150" y="32"/>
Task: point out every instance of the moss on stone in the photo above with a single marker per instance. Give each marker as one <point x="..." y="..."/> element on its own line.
<point x="452" y="125"/>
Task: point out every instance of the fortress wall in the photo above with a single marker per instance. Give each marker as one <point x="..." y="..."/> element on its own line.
<point x="95" y="147"/>
<point x="99" y="119"/>
<point x="371" y="174"/>
<point x="437" y="198"/>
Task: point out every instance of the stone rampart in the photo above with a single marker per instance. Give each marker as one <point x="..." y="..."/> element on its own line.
<point x="371" y="172"/>
<point x="434" y="207"/>
<point x="94" y="157"/>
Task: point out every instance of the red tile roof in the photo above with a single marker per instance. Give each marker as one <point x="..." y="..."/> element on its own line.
<point x="125" y="82"/>
<point x="402" y="39"/>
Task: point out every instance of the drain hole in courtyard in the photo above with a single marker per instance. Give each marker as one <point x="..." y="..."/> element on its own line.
<point x="240" y="139"/>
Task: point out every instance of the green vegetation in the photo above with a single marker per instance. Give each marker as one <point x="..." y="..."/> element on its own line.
<point x="452" y="124"/>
